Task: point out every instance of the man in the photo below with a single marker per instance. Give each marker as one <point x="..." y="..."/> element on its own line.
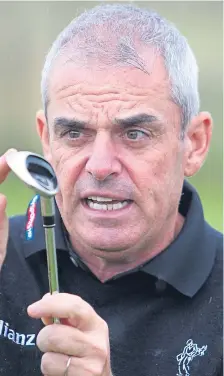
<point x="139" y="268"/>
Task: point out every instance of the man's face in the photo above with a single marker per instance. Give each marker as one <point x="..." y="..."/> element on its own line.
<point x="114" y="135"/>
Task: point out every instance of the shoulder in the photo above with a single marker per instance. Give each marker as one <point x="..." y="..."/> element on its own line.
<point x="16" y="221"/>
<point x="217" y="238"/>
<point x="15" y="240"/>
<point x="16" y="229"/>
<point x="214" y="282"/>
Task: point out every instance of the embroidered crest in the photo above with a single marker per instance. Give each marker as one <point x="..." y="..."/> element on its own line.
<point x="31" y="214"/>
<point x="190" y="351"/>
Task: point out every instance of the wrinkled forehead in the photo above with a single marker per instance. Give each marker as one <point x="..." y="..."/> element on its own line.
<point x="90" y="89"/>
<point x="68" y="71"/>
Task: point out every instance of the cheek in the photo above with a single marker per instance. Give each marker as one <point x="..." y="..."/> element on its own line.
<point x="157" y="176"/>
<point x="153" y="170"/>
<point x="65" y="168"/>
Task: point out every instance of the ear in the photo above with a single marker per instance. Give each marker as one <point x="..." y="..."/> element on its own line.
<point x="43" y="132"/>
<point x="198" y="138"/>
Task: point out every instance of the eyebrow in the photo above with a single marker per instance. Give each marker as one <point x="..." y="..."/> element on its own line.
<point x="62" y="122"/>
<point x="136" y="120"/>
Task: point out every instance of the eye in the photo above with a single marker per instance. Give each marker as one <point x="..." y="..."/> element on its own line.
<point x="74" y="134"/>
<point x="135" y="134"/>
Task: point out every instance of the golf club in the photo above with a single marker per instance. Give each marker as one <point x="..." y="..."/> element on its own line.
<point x="38" y="175"/>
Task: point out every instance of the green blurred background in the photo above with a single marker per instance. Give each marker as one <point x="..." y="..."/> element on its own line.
<point x="27" y="30"/>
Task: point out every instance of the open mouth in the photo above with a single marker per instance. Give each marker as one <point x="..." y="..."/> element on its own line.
<point x="105" y="203"/>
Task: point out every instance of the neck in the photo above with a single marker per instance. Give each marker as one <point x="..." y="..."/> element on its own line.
<point x="105" y="268"/>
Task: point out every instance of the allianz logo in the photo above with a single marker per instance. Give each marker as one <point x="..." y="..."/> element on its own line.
<point x="18" y="338"/>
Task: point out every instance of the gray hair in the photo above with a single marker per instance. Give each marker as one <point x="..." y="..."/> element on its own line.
<point x="109" y="32"/>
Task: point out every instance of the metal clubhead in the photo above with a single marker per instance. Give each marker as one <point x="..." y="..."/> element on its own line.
<point x="34" y="171"/>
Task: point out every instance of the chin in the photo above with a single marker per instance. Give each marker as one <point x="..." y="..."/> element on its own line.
<point x="111" y="240"/>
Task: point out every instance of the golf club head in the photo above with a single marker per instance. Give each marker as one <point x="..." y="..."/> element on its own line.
<point x="34" y="171"/>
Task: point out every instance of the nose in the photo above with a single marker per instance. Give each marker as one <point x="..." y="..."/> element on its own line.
<point x="103" y="161"/>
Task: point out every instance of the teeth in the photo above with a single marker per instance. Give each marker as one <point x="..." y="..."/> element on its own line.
<point x="96" y="206"/>
<point x="98" y="198"/>
<point x="119" y="205"/>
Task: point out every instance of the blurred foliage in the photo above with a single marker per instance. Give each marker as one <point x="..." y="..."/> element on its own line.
<point x="29" y="28"/>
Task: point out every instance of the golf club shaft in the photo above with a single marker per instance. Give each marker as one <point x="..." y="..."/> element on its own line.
<point x="48" y="214"/>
